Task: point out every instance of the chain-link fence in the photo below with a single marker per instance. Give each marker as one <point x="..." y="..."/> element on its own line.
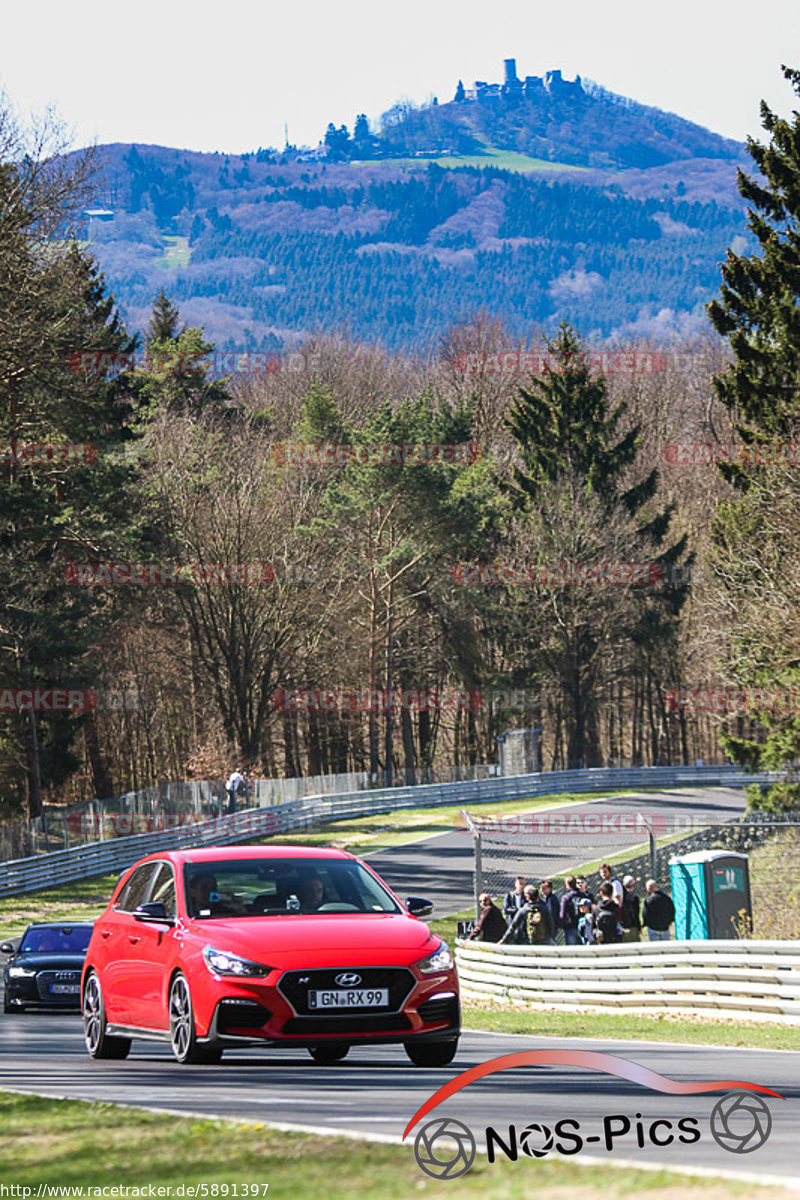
<point x="552" y="845"/>
<point x="186" y="802"/>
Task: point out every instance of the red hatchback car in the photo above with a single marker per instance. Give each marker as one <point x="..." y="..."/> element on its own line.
<point x="278" y="945"/>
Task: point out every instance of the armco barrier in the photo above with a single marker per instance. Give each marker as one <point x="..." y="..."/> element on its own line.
<point x="96" y="858"/>
<point x="749" y="980"/>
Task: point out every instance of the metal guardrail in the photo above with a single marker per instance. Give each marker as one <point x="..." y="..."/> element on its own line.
<point x="743" y="979"/>
<point x="97" y="858"/>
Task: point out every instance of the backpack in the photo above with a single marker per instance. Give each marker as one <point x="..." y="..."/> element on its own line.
<point x="606" y="924"/>
<point x="536" y="925"/>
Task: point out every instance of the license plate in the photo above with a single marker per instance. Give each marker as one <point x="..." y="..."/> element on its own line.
<point x="349" y="998"/>
<point x="65" y="989"/>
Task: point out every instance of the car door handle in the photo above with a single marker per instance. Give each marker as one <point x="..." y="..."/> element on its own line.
<point x="133" y="940"/>
<point x="105" y="933"/>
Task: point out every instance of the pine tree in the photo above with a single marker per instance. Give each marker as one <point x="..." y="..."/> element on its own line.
<point x="163" y="324"/>
<point x="758" y="310"/>
<point x="460" y="93"/>
<point x="572" y="497"/>
<point x="756" y="556"/>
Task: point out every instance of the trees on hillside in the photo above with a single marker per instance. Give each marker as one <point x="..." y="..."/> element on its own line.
<point x="63" y="492"/>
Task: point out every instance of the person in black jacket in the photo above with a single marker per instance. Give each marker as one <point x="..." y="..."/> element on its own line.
<point x="630" y="920"/>
<point x="549" y="899"/>
<point x="517" y="932"/>
<point x="606" y="921"/>
<point x="514" y="899"/>
<point x="658" y="912"/>
<point x="568" y="914"/>
<point x="490" y="925"/>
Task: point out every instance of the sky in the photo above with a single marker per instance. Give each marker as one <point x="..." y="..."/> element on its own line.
<point x="228" y="76"/>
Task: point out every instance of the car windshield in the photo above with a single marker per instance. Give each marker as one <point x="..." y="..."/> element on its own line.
<point x="56" y="939"/>
<point x="283" y="886"/>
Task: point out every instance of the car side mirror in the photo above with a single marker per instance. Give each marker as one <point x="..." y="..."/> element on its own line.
<point x="418" y="906"/>
<point x="155" y="912"/>
<point x="7" y="948"/>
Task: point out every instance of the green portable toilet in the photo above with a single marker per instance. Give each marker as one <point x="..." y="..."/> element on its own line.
<point x="710" y="891"/>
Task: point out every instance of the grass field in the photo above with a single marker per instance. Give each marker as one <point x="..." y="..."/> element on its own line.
<point x="504" y="160"/>
<point x="176" y="253"/>
<point x="71" y="1143"/>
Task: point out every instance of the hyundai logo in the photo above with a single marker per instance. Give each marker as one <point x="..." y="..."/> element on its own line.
<point x="348" y="979"/>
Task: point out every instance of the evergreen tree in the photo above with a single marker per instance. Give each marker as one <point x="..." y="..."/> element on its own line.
<point x="163" y="324"/>
<point x="576" y="506"/>
<point x="756" y="554"/>
<point x="363" y="140"/>
<point x="460" y="93"/>
<point x="758" y="310"/>
<point x="338" y="143"/>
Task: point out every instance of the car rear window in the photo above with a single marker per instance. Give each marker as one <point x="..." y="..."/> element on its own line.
<point x="65" y="939"/>
<point x="281" y="887"/>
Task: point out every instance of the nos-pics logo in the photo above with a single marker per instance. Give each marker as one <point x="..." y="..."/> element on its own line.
<point x="445" y="1148"/>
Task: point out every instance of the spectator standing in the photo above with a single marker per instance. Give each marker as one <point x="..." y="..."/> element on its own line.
<point x="490" y="925"/>
<point x="235" y="784"/>
<point x="531" y="925"/>
<point x="583" y="891"/>
<point x="658" y="912"/>
<point x="585" y="922"/>
<point x="550" y="901"/>
<point x="608" y="876"/>
<point x="514" y="899"/>
<point x="630" y="919"/>
<point x="607" y="928"/>
<point x="568" y="913"/>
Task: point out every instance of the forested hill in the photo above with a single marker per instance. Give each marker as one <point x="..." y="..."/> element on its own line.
<point x="548" y="117"/>
<point x="265" y="248"/>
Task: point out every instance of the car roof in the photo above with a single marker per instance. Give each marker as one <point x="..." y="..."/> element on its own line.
<point x="60" y="925"/>
<point x="232" y="853"/>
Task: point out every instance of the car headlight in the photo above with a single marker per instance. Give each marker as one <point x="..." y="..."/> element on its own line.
<point x="222" y="962"/>
<point x="440" y="960"/>
<point x="21" y="972"/>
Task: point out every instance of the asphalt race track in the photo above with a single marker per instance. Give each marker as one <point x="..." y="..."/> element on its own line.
<point x="440" y="867"/>
<point x="376" y="1091"/>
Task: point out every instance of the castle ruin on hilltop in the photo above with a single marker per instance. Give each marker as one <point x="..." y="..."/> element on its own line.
<point x="528" y="88"/>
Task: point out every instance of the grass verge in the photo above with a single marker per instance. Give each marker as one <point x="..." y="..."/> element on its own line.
<point x="497" y="1018"/>
<point x="72" y="1143"/>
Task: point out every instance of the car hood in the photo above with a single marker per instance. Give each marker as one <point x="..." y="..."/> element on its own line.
<point x="328" y="939"/>
<point x="48" y="962"/>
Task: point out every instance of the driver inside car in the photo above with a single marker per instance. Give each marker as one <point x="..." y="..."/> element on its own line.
<point x="312" y="893"/>
<point x="202" y="891"/>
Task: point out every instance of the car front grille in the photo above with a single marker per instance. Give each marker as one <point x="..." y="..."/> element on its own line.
<point x="295" y="986"/>
<point x="45" y="979"/>
<point x="356" y="1025"/>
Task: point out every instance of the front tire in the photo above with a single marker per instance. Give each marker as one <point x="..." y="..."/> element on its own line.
<point x="183" y="1034"/>
<point x="8" y="1007"/>
<point x="431" y="1054"/>
<point x="98" y="1042"/>
<point x="328" y="1053"/>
